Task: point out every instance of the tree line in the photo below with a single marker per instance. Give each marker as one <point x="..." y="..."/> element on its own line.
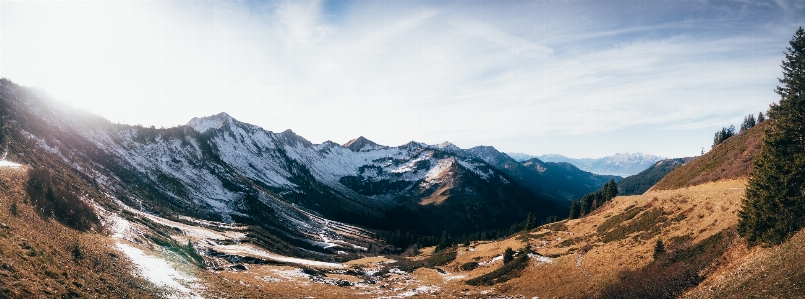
<point x="727" y="132"/>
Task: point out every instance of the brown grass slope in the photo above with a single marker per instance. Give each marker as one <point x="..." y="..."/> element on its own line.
<point x="42" y="258"/>
<point x="732" y="159"/>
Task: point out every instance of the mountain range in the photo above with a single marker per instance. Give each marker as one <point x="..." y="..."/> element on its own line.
<point x="291" y="192"/>
<point x="220" y="208"/>
<point x="620" y="164"/>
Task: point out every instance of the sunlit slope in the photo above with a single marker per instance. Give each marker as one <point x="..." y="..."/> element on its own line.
<point x="732" y="159"/>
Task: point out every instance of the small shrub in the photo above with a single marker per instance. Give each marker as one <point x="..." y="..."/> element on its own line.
<point x="76" y="251"/>
<point x="659" y="248"/>
<point x="442" y="257"/>
<point x="14" y="210"/>
<point x="508" y="255"/>
<point x="502" y="274"/>
<point x="556" y="226"/>
<point x="469" y="266"/>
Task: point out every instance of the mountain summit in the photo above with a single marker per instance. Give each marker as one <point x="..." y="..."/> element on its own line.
<point x="362" y="144"/>
<point x="202" y="124"/>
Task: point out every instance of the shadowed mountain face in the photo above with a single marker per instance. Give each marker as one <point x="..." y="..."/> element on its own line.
<point x="641" y="182"/>
<point x="559" y="181"/>
<point x="219" y="168"/>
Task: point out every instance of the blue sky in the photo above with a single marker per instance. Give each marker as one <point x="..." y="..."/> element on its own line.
<point x="578" y="78"/>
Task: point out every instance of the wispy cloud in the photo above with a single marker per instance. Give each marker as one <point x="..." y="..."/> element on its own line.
<point x="467" y="72"/>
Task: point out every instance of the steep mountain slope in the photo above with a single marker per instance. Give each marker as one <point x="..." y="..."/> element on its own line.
<point x="561" y="181"/>
<point x="621" y="164"/>
<point x="641" y="182"/>
<point x="42" y="258"/>
<point x="729" y="160"/>
<point x="217" y="168"/>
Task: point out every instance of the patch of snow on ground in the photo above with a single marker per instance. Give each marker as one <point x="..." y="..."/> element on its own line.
<point x="9" y="164"/>
<point x="540" y="259"/>
<point x="415" y="292"/>
<point x="247" y="250"/>
<point x="497" y="258"/>
<point x="159" y="272"/>
<point x="448" y="277"/>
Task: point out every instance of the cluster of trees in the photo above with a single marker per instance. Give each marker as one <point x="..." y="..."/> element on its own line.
<point x="723" y="134"/>
<point x="591" y="201"/>
<point x="773" y="208"/>
<point x="748" y="123"/>
<point x="408" y="238"/>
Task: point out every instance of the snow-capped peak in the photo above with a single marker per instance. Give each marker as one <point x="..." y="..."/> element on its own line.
<point x="361" y="143"/>
<point x="448" y="147"/>
<point x="202" y="124"/>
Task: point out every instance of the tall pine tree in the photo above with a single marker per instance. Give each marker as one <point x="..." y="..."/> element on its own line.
<point x="774" y="206"/>
<point x="575" y="210"/>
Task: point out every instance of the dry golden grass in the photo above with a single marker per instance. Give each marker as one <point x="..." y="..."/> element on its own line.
<point x="576" y="261"/>
<point x="579" y="257"/>
<point x="774" y="272"/>
<point x="586" y="264"/>
<point x="732" y="159"/>
<point x="41" y="258"/>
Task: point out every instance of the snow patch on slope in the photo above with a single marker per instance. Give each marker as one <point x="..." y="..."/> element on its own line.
<point x="159" y="272"/>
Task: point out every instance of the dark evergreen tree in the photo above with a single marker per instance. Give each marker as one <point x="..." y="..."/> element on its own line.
<point x="610" y="190"/>
<point x="760" y="117"/>
<point x="723" y="134"/>
<point x="659" y="248"/>
<point x="529" y="222"/>
<point x="748" y="123"/>
<point x="774" y="206"/>
<point x="444" y="243"/>
<point x="575" y="210"/>
<point x="586" y="204"/>
<point x="508" y="255"/>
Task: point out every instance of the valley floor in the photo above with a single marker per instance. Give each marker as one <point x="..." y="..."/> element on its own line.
<point x="578" y="258"/>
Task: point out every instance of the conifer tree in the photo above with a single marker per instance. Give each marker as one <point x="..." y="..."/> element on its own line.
<point x="443" y="243"/>
<point x="773" y="208"/>
<point x="748" y="123"/>
<point x="508" y="255"/>
<point x="760" y="117"/>
<point x="529" y="222"/>
<point x="659" y="248"/>
<point x="723" y="134"/>
<point x="575" y="210"/>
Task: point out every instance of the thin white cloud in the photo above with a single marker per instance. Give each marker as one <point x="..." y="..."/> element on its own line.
<point x="428" y="72"/>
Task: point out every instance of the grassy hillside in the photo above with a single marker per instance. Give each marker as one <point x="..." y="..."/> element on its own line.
<point x="41" y="258"/>
<point x="732" y="159"/>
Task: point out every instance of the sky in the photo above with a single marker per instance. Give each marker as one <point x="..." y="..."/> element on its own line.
<point x="577" y="78"/>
